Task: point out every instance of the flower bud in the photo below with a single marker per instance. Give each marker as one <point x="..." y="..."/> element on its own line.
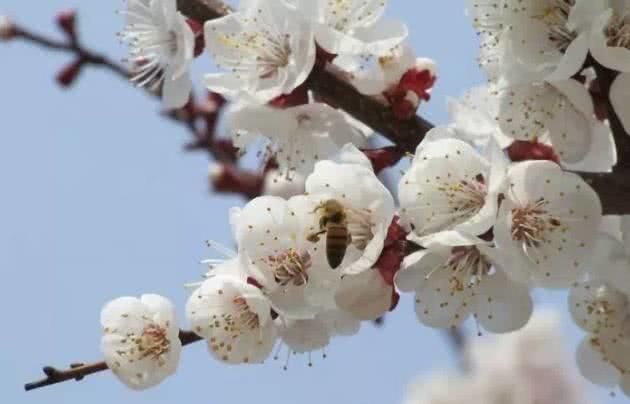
<point x="66" y="20"/>
<point x="420" y="79"/>
<point x="8" y="30"/>
<point x="66" y="76"/>
<point x="404" y="104"/>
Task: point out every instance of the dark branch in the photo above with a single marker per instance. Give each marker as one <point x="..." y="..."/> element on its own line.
<point x="77" y="371"/>
<point x="88" y="56"/>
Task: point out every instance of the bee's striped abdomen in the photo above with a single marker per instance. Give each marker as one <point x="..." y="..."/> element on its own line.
<point x="337" y="240"/>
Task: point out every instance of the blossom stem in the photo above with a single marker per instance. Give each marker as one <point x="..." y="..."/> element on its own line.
<point x="78" y="371"/>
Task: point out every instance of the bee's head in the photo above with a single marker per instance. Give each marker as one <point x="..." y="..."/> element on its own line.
<point x="331" y="207"/>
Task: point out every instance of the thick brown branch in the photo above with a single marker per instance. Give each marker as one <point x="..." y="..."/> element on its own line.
<point x="613" y="190"/>
<point x="404" y="134"/>
<point x="78" y="371"/>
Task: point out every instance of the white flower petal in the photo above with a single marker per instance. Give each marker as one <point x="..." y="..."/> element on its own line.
<point x="594" y="366"/>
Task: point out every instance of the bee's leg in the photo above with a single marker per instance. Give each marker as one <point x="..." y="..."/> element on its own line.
<point x="314" y="237"/>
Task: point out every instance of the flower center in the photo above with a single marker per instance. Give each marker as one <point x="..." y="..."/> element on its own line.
<point x="618" y="31"/>
<point x="465" y="198"/>
<point x="531" y="225"/>
<point x="150" y="49"/>
<point x="290" y="267"/>
<point x="153" y="343"/>
<point x="468" y="267"/>
<point x="246" y="318"/>
<point x="273" y="52"/>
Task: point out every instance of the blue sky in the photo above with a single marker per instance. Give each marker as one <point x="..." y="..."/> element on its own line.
<point x="99" y="200"/>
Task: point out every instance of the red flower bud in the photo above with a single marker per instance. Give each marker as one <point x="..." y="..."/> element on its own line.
<point x="393" y="252"/>
<point x="419" y="81"/>
<point x="66" y="20"/>
<point x="66" y="76"/>
<point x="523" y="150"/>
<point x="404" y="109"/>
<point x="8" y="29"/>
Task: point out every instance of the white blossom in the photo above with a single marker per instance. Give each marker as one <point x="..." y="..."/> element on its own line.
<point x="303" y="336"/>
<point x="266" y="48"/>
<point x="161" y="47"/>
<point x="272" y="237"/>
<point x="297" y="137"/>
<point x="561" y="112"/>
<point x="141" y="340"/>
<point x="449" y="186"/>
<point x="545" y="225"/>
<point x="549" y="37"/>
<point x="610" y="46"/>
<point x="374" y="75"/>
<point x="458" y="276"/>
<point x="473" y="117"/>
<point x="525" y="367"/>
<point x="368" y="204"/>
<point x="235" y="319"/>
<point x="352" y="27"/>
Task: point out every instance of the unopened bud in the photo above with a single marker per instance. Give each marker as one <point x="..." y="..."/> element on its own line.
<point x="67" y="76"/>
<point x="391" y="258"/>
<point x="8" y="30"/>
<point x="420" y="79"/>
<point x="404" y="107"/>
<point x="66" y="20"/>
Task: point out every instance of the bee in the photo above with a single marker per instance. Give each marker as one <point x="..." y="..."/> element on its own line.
<point x="334" y="222"/>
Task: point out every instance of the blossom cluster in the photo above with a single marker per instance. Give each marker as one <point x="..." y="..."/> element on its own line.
<point x="528" y="367"/>
<point x="488" y="206"/>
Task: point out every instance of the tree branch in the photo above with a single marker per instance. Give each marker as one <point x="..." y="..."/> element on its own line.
<point x="77" y="371"/>
<point x="88" y="56"/>
<point x="613" y="189"/>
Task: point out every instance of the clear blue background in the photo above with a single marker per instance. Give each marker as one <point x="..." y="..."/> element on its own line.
<point x="98" y="200"/>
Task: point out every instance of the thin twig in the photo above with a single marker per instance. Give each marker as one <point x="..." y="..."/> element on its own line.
<point x="88" y="56"/>
<point x="78" y="371"/>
